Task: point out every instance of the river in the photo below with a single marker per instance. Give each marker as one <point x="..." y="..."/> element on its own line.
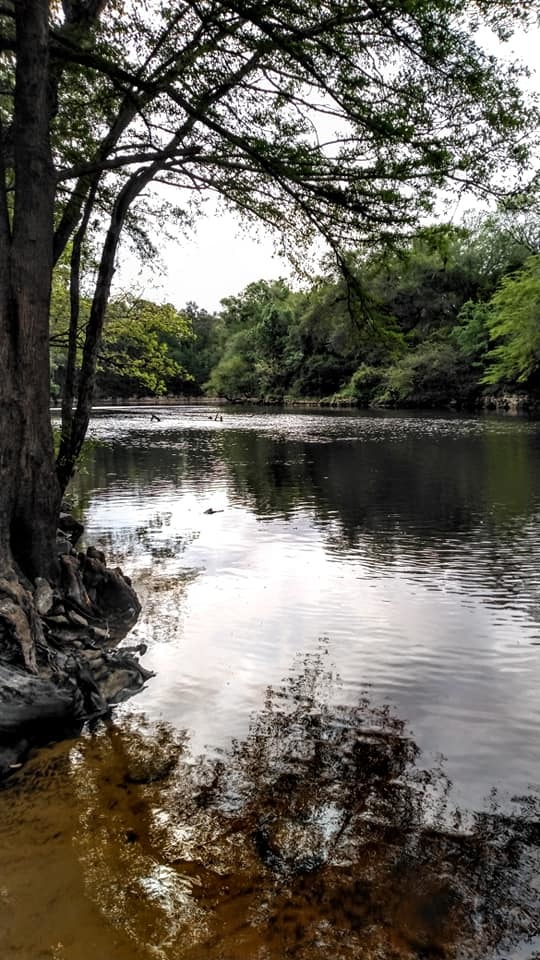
<point x="339" y="755"/>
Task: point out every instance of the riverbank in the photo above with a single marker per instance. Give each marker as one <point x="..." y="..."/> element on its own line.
<point x="60" y="665"/>
<point x="502" y="401"/>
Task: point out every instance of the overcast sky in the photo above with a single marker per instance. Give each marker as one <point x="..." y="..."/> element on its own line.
<point x="222" y="257"/>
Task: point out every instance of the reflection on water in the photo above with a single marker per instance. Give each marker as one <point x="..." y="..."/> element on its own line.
<point x="411" y="542"/>
<point x="236" y="815"/>
<point x="318" y="835"/>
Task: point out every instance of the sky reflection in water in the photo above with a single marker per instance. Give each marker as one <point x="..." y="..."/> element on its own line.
<point x="229" y="813"/>
<point x="412" y="543"/>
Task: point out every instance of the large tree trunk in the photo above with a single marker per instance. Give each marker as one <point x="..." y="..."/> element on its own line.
<point x="29" y="492"/>
<point x="50" y="669"/>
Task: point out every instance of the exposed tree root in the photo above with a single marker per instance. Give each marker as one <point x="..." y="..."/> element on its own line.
<point x="58" y="663"/>
<point x="18" y="615"/>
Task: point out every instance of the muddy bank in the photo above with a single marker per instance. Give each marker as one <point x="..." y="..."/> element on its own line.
<point x="60" y="665"/>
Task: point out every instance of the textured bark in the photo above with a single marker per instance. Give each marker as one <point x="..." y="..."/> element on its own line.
<point x="29" y="493"/>
<point x="59" y="610"/>
<point x="58" y="663"/>
<point x="56" y="606"/>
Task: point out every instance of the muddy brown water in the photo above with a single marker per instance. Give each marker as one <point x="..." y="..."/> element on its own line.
<point x="339" y="755"/>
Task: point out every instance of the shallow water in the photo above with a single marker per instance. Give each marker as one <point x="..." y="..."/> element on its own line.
<point x="340" y="750"/>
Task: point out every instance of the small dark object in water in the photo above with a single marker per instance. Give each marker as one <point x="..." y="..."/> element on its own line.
<point x="153" y="416"/>
<point x="211" y="510"/>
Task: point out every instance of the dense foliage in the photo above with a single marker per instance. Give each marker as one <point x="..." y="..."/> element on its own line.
<point x="141" y="350"/>
<point x="443" y="318"/>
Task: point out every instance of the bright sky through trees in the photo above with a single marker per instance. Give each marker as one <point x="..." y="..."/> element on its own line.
<point x="220" y="257"/>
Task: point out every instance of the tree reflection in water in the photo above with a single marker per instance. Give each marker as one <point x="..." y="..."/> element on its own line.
<point x="319" y="835"/>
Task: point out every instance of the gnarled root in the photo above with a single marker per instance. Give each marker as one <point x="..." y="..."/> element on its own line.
<point x="58" y="665"/>
<point x="20" y="626"/>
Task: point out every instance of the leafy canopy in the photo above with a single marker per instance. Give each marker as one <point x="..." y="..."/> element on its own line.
<point x="339" y="116"/>
<point x="142" y="346"/>
<point x="137" y="345"/>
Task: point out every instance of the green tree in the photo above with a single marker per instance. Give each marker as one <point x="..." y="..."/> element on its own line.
<point x="513" y="321"/>
<point x="235" y="376"/>
<point x="136" y="353"/>
<point x="364" y="385"/>
<point x="422" y="283"/>
<point x="258" y="350"/>
<point x="101" y="98"/>
<point x="496" y="245"/>
<point x="140" y="348"/>
<point x="471" y="334"/>
<point x="432" y="375"/>
<point x="199" y="353"/>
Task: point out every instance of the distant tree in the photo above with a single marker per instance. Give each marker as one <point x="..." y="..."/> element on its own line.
<point x="421" y="341"/>
<point x="136" y="355"/>
<point x="471" y="333"/>
<point x="432" y="375"/>
<point x="235" y="377"/>
<point x="422" y="283"/>
<point x="257" y="355"/>
<point x="140" y="346"/>
<point x="199" y="353"/>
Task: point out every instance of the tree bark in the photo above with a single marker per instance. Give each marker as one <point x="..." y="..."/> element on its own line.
<point x="29" y="491"/>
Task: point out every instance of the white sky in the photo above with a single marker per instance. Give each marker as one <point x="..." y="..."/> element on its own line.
<point x="221" y="257"/>
<point x="218" y="259"/>
<point x="221" y="260"/>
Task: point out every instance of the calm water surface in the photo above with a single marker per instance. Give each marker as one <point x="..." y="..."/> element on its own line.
<point x="340" y="751"/>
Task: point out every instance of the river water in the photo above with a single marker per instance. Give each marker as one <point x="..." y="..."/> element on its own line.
<point x="339" y="755"/>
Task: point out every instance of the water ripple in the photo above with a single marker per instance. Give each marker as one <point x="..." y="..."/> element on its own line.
<point x="410" y="542"/>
